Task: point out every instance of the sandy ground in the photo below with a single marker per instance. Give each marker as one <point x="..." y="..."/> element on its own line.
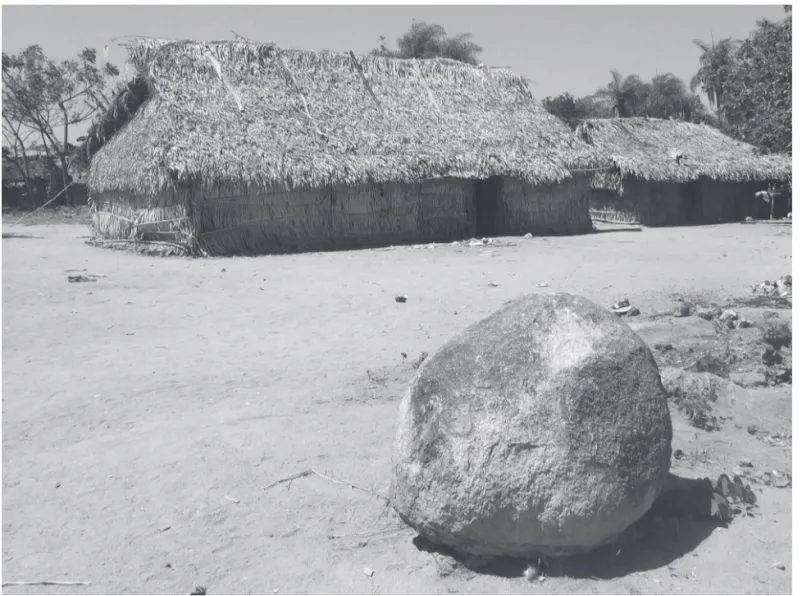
<point x="144" y="413"/>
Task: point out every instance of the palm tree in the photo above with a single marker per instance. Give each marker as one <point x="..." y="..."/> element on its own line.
<point x="627" y="97"/>
<point x="715" y="61"/>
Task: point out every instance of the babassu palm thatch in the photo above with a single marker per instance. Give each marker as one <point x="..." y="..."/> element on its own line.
<point x="241" y="146"/>
<point x="674" y="151"/>
<point x="669" y="172"/>
<point x="245" y="112"/>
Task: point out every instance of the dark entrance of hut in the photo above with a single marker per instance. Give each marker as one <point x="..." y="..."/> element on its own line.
<point x="692" y="201"/>
<point x="488" y="213"/>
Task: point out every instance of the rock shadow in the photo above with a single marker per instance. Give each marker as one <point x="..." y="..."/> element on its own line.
<point x="678" y="522"/>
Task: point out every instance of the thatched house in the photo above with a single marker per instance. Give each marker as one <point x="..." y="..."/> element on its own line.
<point x="671" y="173"/>
<point x="30" y="181"/>
<point x="241" y="147"/>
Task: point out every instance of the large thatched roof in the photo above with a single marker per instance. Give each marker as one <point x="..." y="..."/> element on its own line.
<point x="674" y="151"/>
<point x="240" y="111"/>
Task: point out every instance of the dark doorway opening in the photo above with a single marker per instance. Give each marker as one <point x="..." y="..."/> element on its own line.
<point x="489" y="207"/>
<point x="692" y="201"/>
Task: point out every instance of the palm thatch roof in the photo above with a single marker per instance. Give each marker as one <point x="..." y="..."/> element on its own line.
<point x="247" y="112"/>
<point x="675" y="151"/>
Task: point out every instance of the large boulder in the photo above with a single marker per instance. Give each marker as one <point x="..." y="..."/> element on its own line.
<point x="541" y="430"/>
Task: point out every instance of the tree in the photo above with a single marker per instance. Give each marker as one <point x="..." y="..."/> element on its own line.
<point x="43" y="99"/>
<point x="757" y="90"/>
<point x="431" y="41"/>
<point x="670" y="98"/>
<point x="567" y="108"/>
<point x="627" y="97"/>
<point x="715" y="62"/>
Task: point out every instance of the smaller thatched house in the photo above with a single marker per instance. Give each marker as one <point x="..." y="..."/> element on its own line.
<point x="240" y="147"/>
<point x="30" y="182"/>
<point x="673" y="173"/>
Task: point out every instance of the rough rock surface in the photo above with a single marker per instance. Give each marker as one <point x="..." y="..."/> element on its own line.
<point x="541" y="430"/>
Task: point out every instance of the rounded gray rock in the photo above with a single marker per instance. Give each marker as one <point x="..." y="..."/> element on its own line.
<point x="541" y="430"/>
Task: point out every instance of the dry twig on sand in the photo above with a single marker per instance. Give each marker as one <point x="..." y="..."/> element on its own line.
<point x="311" y="472"/>
<point x="46" y="583"/>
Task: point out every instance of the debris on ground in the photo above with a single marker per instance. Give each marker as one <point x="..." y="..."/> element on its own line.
<point x="777" y="334"/>
<point x="709" y="364"/>
<point x="684" y="310"/>
<point x="369" y="572"/>
<point x="772" y="478"/>
<point x="748" y="380"/>
<point x="778" y="375"/>
<point x="728" y="315"/>
<point x="198" y="591"/>
<point x="780" y="288"/>
<point x="777" y="439"/>
<point x="401" y="299"/>
<point x="624" y="308"/>
<point x="708" y="314"/>
<point x="80" y="278"/>
<point x="771" y="356"/>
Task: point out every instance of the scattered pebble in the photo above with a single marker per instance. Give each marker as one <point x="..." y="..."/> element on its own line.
<point x="369" y="572"/>
<point x="751" y="429"/>
<point x="684" y="311"/>
<point x="401" y="299"/>
<point x="779" y="566"/>
<point x="728" y="315"/>
<point x="678" y="454"/>
<point x="531" y="572"/>
<point x="745" y="463"/>
<point x="493" y="284"/>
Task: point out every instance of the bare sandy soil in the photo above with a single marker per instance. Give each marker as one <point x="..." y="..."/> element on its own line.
<point x="144" y="413"/>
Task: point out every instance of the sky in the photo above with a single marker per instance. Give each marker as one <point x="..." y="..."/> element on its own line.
<point x="558" y="48"/>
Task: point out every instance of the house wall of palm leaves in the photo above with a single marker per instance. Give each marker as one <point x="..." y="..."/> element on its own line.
<point x="241" y="147"/>
<point x="672" y="173"/>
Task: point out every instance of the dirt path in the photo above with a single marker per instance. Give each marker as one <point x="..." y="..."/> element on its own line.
<point x="135" y="405"/>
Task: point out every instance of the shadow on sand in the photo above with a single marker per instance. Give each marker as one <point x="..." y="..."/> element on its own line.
<point x="616" y="230"/>
<point x="678" y="522"/>
<point x="12" y="235"/>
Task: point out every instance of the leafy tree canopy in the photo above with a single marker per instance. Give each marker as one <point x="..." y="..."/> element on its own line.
<point x="757" y="91"/>
<point x="42" y="99"/>
<point x="424" y="40"/>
